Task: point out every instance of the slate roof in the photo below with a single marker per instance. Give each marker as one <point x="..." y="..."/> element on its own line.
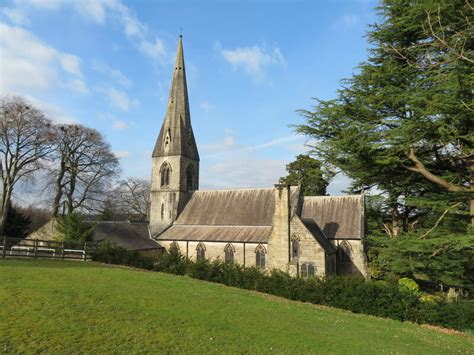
<point x="225" y="215"/>
<point x="248" y="234"/>
<point x="339" y="217"/>
<point x="132" y="236"/>
<point x="246" y="207"/>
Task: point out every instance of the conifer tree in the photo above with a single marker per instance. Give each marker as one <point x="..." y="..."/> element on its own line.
<point x="403" y="123"/>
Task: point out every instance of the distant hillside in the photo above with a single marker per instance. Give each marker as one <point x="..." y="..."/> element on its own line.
<point x="57" y="306"/>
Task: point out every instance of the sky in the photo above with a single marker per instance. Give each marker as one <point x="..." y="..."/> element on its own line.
<point x="250" y="66"/>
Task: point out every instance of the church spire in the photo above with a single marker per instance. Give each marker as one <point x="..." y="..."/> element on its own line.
<point x="176" y="135"/>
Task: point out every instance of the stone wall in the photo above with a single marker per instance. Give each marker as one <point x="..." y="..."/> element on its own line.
<point x="309" y="249"/>
<point x="215" y="250"/>
<point x="358" y="264"/>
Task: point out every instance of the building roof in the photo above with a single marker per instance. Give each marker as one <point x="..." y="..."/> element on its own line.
<point x="339" y="217"/>
<point x="248" y="234"/>
<point x="225" y="215"/>
<point x="132" y="236"/>
<point x="246" y="207"/>
<point x="176" y="135"/>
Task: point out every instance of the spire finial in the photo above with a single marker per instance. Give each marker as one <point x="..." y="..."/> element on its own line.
<point x="180" y="32"/>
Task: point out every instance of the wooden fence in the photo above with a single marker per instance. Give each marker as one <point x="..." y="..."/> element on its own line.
<point x="35" y="248"/>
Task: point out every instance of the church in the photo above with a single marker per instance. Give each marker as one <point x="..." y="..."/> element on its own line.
<point x="268" y="228"/>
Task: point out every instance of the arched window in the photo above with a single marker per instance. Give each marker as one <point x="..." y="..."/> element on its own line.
<point x="189" y="177"/>
<point x="295" y="246"/>
<point x="307" y="270"/>
<point x="229" y="253"/>
<point x="162" y="211"/>
<point x="165" y="173"/>
<point x="201" y="252"/>
<point x="304" y="270"/>
<point x="260" y="254"/>
<point x="345" y="252"/>
<point x="174" y="247"/>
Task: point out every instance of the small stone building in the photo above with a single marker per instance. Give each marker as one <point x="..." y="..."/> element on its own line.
<point x="269" y="228"/>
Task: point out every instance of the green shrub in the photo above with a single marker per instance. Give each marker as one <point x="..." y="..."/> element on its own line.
<point x="172" y="263"/>
<point x="110" y="254"/>
<point x="408" y="285"/>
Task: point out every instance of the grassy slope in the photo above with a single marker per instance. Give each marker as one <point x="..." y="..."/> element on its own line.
<point x="60" y="306"/>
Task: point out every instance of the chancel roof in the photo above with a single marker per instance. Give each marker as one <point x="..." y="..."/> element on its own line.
<point x="339" y="217"/>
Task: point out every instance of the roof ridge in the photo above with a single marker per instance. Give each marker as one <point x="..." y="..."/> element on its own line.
<point x="238" y="189"/>
<point x="334" y="196"/>
<point x="221" y="225"/>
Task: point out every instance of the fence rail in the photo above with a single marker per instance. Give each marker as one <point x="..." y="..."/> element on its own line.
<point x="36" y="248"/>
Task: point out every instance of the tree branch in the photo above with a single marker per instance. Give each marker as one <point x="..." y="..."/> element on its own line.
<point x="421" y="169"/>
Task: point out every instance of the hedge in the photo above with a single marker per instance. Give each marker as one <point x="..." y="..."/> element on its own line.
<point x="378" y="298"/>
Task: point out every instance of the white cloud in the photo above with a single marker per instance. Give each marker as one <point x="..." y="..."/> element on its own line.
<point x="28" y="63"/>
<point x="117" y="98"/>
<point x="16" y="16"/>
<point x="240" y="172"/>
<point x="122" y="154"/>
<point x="41" y="4"/>
<point x="226" y="163"/>
<point x="136" y="31"/>
<point x="206" y="106"/>
<point x="120" y="125"/>
<point x="91" y="9"/>
<point x="114" y="74"/>
<point x="225" y="145"/>
<point x="252" y="60"/>
<point x="99" y="12"/>
<point x="78" y="86"/>
<point x="155" y="50"/>
<point x="229" y="146"/>
<point x="70" y="63"/>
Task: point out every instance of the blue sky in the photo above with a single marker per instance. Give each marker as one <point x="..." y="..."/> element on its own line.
<point x="250" y="65"/>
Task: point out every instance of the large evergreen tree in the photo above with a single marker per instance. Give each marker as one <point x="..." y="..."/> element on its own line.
<point x="402" y="123"/>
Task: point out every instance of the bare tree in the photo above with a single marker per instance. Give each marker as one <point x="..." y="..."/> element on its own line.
<point x="25" y="140"/>
<point x="85" y="166"/>
<point x="132" y="197"/>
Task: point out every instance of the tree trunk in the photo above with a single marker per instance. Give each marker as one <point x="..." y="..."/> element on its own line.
<point x="6" y="205"/>
<point x="395" y="221"/>
<point x="58" y="190"/>
<point x="471" y="200"/>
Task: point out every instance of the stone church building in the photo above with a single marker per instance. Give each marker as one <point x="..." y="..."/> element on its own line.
<point x="269" y="228"/>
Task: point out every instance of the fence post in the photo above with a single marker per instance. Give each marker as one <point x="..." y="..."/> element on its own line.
<point x="62" y="250"/>
<point x="85" y="251"/>
<point x="4" y="250"/>
<point x="36" y="248"/>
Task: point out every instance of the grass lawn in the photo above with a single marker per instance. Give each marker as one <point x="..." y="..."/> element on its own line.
<point x="67" y="306"/>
